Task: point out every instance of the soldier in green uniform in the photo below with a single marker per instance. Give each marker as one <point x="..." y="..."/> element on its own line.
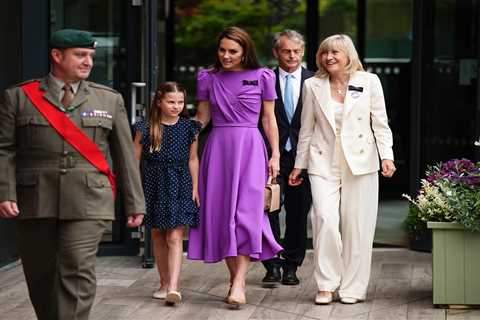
<point x="61" y="201"/>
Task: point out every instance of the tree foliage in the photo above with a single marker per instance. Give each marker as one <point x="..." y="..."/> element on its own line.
<point x="199" y="24"/>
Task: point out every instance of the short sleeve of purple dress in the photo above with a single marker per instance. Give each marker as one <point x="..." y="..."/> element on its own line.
<point x="233" y="169"/>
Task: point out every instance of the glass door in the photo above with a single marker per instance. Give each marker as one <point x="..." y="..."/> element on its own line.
<point x="117" y="27"/>
<point x="450" y="108"/>
<point x="387" y="53"/>
<point x="388" y="47"/>
<point x="10" y="60"/>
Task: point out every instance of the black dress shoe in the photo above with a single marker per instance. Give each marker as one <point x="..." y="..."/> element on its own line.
<point x="290" y="277"/>
<point x="273" y="275"/>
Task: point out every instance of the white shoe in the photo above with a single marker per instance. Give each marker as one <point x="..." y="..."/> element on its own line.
<point x="321" y="299"/>
<point x="160" y="294"/>
<point x="347" y="300"/>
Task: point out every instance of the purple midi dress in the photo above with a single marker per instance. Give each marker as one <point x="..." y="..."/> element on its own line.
<point x="233" y="169"/>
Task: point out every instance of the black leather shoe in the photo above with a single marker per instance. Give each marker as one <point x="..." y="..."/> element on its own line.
<point x="290" y="277"/>
<point x="273" y="275"/>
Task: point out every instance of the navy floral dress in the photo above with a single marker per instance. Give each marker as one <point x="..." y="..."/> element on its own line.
<point x="167" y="182"/>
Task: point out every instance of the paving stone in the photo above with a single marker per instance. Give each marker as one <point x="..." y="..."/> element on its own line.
<point x="400" y="288"/>
<point x="115" y="282"/>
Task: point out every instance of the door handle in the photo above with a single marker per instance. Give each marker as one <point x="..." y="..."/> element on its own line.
<point x="134" y="86"/>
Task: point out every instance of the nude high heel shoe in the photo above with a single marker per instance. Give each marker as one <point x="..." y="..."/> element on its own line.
<point x="173" y="297"/>
<point x="236" y="301"/>
<point x="228" y="294"/>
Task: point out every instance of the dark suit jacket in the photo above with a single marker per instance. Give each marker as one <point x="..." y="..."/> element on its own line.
<point x="285" y="128"/>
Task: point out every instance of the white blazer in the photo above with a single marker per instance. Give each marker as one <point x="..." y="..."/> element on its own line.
<point x="365" y="135"/>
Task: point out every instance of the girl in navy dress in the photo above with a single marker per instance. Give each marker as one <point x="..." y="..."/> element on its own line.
<point x="167" y="143"/>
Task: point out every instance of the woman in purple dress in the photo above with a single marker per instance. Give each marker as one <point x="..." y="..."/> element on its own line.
<point x="234" y="168"/>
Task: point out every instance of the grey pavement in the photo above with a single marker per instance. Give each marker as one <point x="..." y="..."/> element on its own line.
<point x="400" y="288"/>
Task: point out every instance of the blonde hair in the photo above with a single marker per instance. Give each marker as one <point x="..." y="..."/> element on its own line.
<point x="155" y="114"/>
<point x="343" y="43"/>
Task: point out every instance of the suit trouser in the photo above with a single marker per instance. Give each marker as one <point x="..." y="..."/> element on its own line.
<point x="274" y="220"/>
<point x="344" y="215"/>
<point x="58" y="258"/>
<point x="297" y="203"/>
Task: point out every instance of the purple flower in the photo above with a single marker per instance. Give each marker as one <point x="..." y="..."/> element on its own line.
<point x="457" y="171"/>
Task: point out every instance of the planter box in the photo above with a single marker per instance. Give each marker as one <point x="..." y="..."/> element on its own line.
<point x="456" y="264"/>
<point x="421" y="242"/>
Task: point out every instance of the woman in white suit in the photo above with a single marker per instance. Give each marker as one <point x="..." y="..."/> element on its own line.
<point x="343" y="135"/>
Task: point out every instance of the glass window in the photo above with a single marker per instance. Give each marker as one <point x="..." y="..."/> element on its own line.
<point x="337" y="16"/>
<point x="105" y="18"/>
<point x="388" y="46"/>
<point x="444" y="20"/>
<point x="389" y="29"/>
<point x="198" y="24"/>
<point x="449" y="110"/>
<point x="10" y="60"/>
<point x="10" y="64"/>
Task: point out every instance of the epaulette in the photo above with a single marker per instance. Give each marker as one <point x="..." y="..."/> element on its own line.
<point x="24" y="82"/>
<point x="101" y="86"/>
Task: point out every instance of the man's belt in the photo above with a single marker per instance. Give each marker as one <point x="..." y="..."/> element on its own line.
<point x="69" y="131"/>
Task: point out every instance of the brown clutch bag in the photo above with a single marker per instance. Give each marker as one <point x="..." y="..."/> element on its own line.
<point x="272" y="195"/>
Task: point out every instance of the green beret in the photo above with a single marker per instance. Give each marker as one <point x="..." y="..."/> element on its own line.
<point x="71" y="38"/>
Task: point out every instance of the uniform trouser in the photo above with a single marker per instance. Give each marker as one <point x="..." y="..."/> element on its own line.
<point x="58" y="258"/>
<point x="344" y="214"/>
<point x="297" y="204"/>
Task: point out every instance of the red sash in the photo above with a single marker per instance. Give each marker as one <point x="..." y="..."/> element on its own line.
<point x="69" y="131"/>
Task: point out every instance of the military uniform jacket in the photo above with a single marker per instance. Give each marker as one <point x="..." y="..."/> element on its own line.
<point x="46" y="176"/>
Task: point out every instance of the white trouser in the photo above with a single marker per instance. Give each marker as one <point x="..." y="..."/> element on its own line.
<point x="344" y="214"/>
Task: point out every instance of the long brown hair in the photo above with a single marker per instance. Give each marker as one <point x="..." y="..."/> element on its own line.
<point x="155" y="114"/>
<point x="240" y="36"/>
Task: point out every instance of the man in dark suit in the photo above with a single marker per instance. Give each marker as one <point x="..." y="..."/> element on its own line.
<point x="288" y="49"/>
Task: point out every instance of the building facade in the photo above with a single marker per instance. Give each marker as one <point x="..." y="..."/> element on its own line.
<point x="426" y="53"/>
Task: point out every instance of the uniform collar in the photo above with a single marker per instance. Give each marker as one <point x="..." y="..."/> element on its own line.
<point x="58" y="84"/>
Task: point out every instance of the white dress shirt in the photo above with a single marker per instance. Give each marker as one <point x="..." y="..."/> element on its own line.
<point x="296" y="79"/>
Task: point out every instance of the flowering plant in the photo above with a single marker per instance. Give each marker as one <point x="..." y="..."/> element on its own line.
<point x="449" y="192"/>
